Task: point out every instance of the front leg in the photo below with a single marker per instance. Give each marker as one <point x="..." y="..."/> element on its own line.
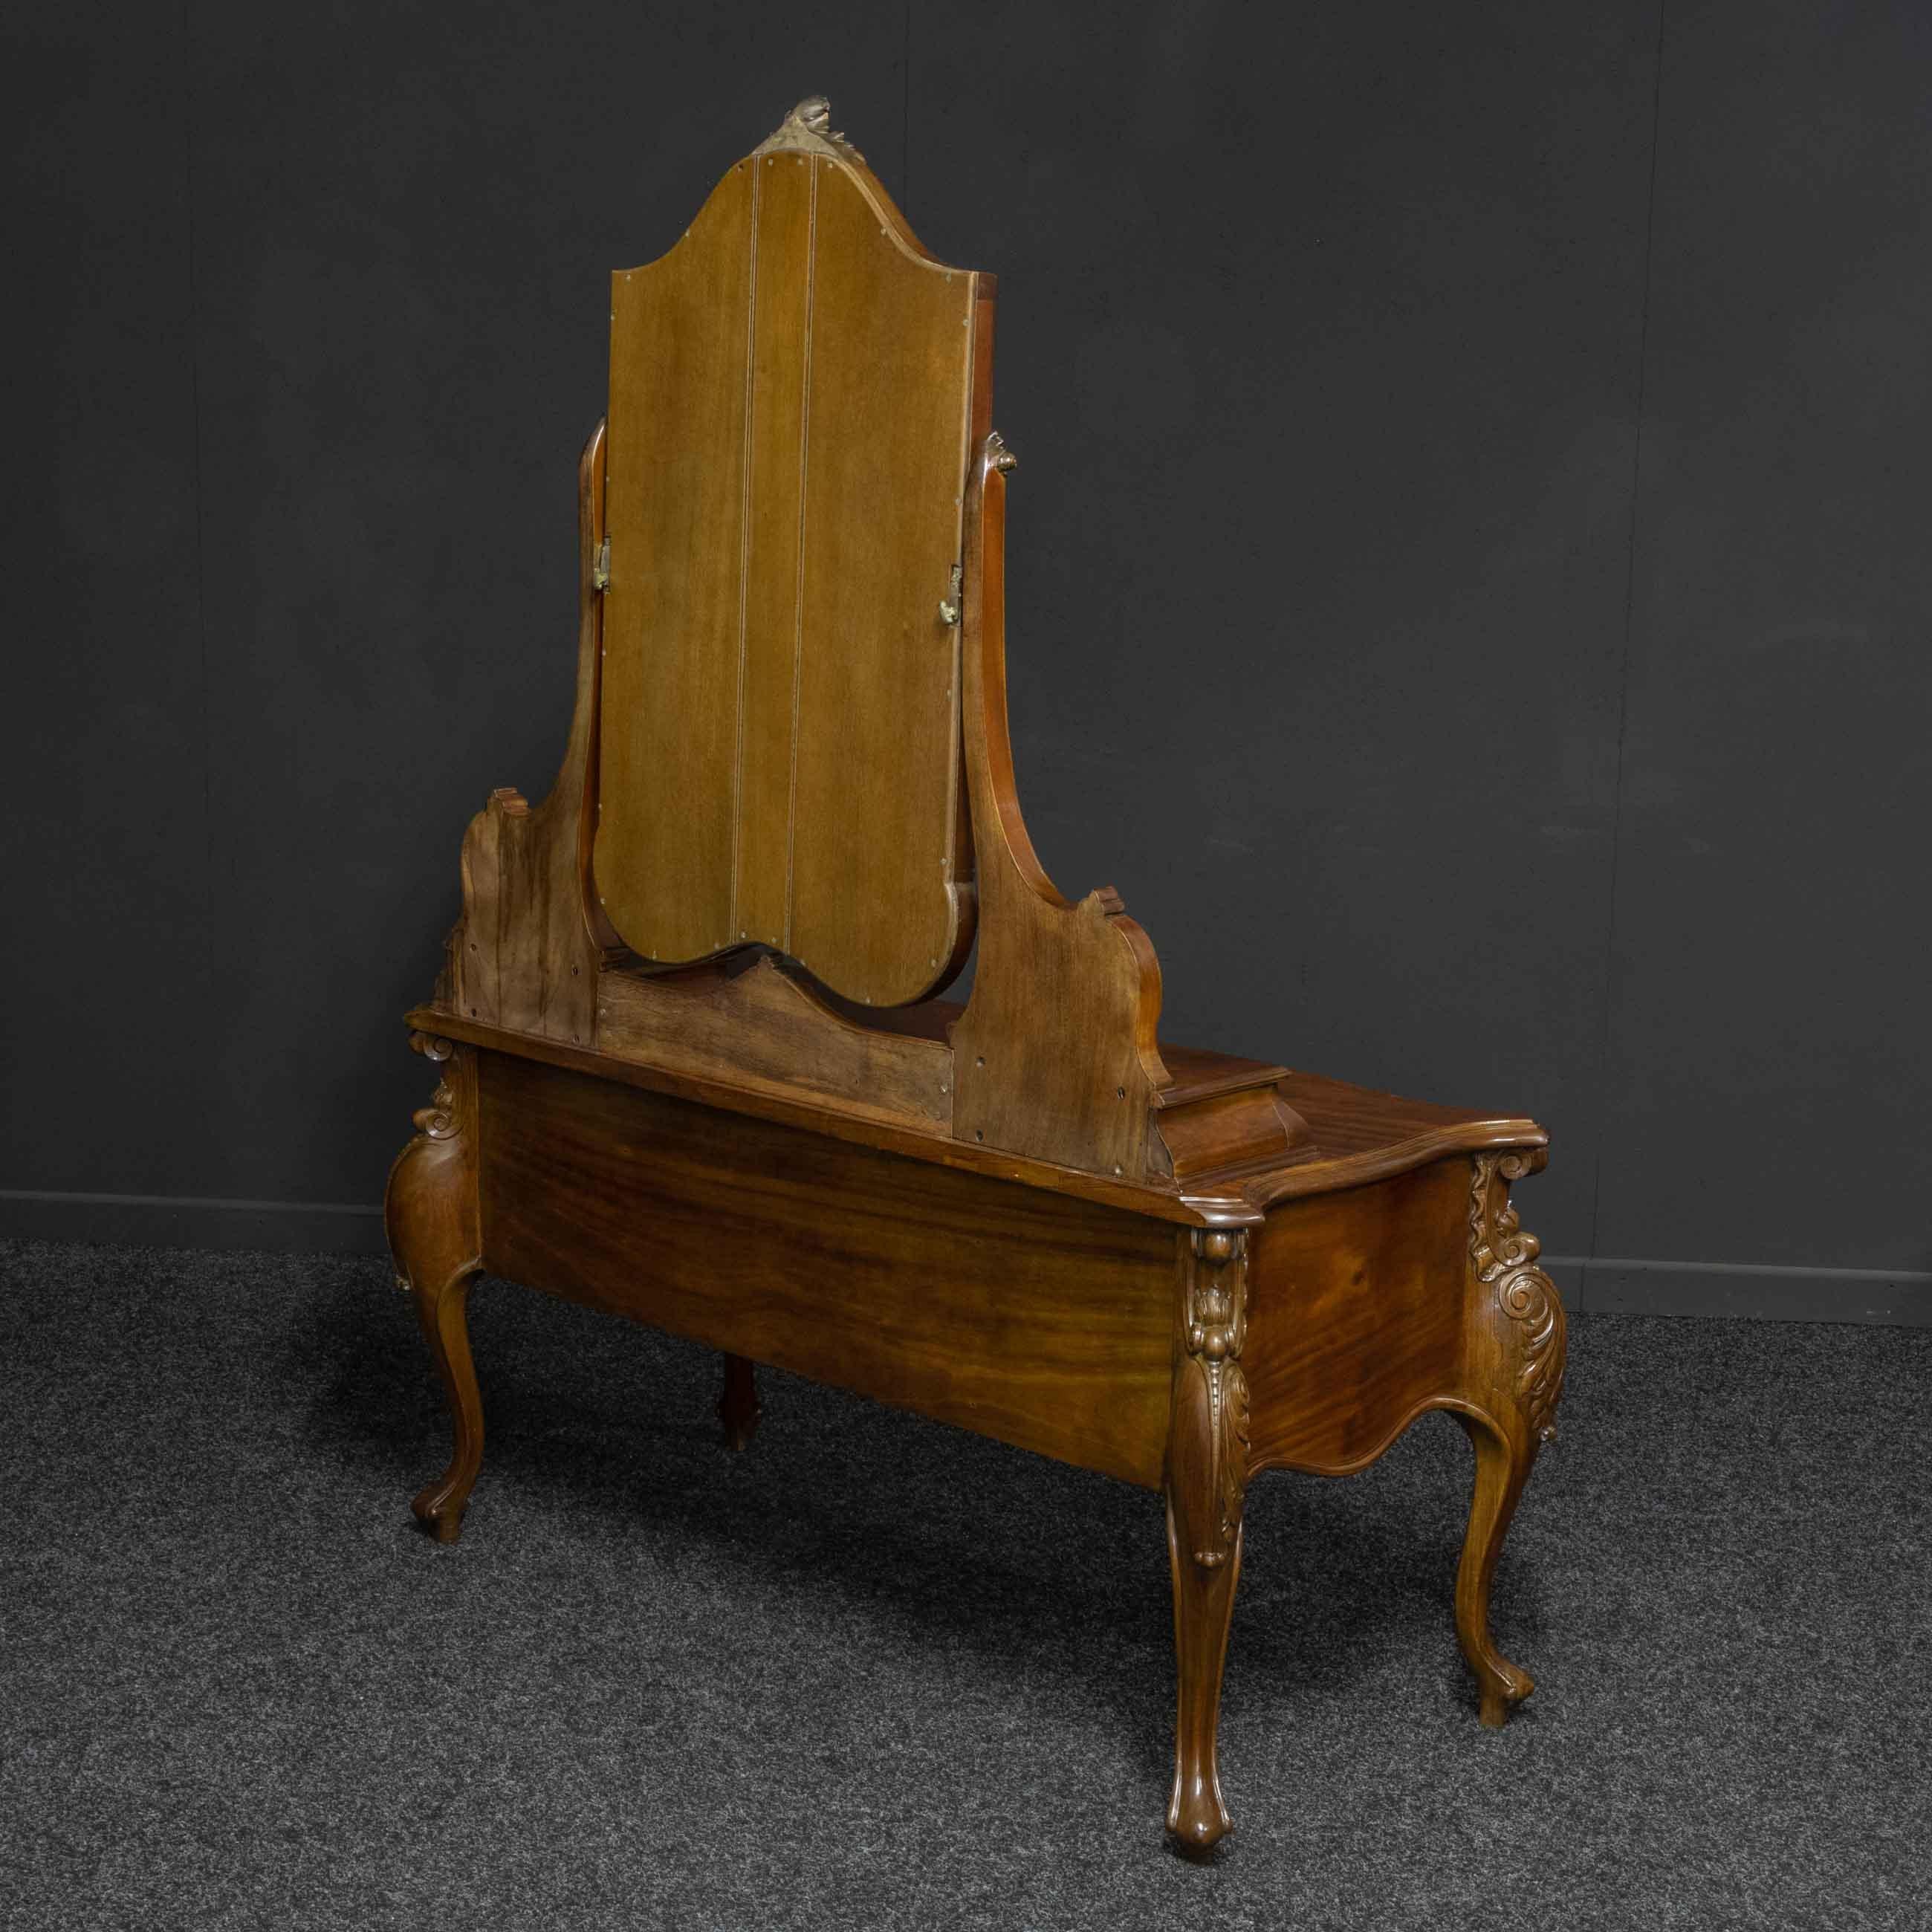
<point x="1516" y="1346"/>
<point x="1207" y="1482"/>
<point x="434" y="1228"/>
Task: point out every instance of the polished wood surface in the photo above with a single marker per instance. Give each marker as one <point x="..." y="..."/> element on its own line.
<point x="1056" y="1054"/>
<point x="1041" y="1319"/>
<point x="1208" y="1459"/>
<point x="430" y="1208"/>
<point x="1237" y="1199"/>
<point x="1358" y="1319"/>
<point x="790" y="412"/>
<point x="693" y="1068"/>
<point x="877" y="789"/>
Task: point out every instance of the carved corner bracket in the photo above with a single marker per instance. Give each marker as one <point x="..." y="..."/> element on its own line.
<point x="1209" y="1450"/>
<point x="1503" y="1258"/>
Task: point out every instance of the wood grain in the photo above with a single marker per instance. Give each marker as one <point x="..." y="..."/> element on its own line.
<point x="1039" y="1318"/>
<point x="1055" y="1055"/>
<point x="785" y="189"/>
<point x="760" y="1022"/>
<point x="873" y="912"/>
<point x="851" y="1121"/>
<point x="1356" y="1318"/>
<point x="790" y="406"/>
<point x="674" y="612"/>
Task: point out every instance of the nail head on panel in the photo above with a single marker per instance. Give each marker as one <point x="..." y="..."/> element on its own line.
<point x="1117" y="1167"/>
<point x="979" y="1133"/>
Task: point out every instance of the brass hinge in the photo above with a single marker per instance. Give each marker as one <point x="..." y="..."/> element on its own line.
<point x="600" y="567"/>
<point x="949" y="607"/>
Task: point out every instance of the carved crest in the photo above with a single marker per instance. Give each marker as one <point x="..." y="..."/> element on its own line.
<point x="809" y="127"/>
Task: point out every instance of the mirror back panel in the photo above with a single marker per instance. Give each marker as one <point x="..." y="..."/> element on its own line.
<point x="791" y="404"/>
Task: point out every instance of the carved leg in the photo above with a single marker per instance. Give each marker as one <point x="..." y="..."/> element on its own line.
<point x="431" y="1210"/>
<point x="444" y="1313"/>
<point x="1207" y="1482"/>
<point x="738" y="1408"/>
<point x="1504" y="1459"/>
<point x="1516" y="1347"/>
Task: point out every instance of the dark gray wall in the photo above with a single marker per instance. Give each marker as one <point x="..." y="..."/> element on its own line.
<point x="1468" y="581"/>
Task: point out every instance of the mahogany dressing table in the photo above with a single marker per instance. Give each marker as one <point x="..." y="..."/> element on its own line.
<point x="693" y="1065"/>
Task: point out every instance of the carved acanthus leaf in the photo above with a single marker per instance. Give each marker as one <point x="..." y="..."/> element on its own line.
<point x="809" y="127"/>
<point x="1215" y="1327"/>
<point x="1503" y="1256"/>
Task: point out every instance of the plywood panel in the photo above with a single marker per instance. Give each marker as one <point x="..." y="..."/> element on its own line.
<point x="674" y="612"/>
<point x="878" y="690"/>
<point x="781" y="366"/>
<point x="790" y="393"/>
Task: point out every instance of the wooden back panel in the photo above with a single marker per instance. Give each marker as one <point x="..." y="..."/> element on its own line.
<point x="791" y="407"/>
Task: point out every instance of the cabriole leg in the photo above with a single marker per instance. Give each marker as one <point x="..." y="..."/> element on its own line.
<point x="738" y="1408"/>
<point x="1503" y="1463"/>
<point x="1207" y="1483"/>
<point x="431" y="1210"/>
<point x="1516" y="1349"/>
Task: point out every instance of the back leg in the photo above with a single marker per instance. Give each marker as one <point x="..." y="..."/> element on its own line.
<point x="738" y="1408"/>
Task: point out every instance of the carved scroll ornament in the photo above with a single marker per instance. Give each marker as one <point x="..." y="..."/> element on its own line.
<point x="439" y="1120"/>
<point x="1504" y="1257"/>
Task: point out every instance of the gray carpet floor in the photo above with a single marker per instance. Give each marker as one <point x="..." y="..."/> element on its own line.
<point x="877" y="1673"/>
